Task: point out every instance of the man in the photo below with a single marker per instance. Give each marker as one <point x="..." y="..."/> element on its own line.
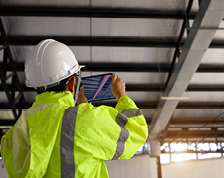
<point x="55" y="138"/>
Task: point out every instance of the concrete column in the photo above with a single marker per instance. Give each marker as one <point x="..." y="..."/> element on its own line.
<point x="155" y="152"/>
<point x="154" y="145"/>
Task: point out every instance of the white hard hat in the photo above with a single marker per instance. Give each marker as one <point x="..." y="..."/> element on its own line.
<point x="49" y="62"/>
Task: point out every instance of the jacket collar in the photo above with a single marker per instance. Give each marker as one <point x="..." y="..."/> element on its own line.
<point x="64" y="98"/>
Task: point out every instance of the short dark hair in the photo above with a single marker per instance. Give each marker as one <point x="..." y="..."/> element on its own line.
<point x="58" y="88"/>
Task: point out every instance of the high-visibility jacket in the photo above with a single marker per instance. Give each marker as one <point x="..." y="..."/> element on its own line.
<point x="55" y="138"/>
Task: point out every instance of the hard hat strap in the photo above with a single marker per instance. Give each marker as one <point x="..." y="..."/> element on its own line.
<point x="78" y="85"/>
<point x="44" y="88"/>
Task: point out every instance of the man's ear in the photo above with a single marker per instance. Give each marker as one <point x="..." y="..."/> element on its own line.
<point x="71" y="85"/>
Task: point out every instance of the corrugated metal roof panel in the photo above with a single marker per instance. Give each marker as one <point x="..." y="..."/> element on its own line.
<point x="207" y="78"/>
<point x="128" y="54"/>
<point x="48" y="2"/>
<point x="135" y="27"/>
<point x="44" y="26"/>
<point x="168" y="5"/>
<point x="213" y="56"/>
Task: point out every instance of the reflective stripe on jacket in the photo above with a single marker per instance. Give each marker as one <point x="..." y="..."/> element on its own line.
<point x="54" y="138"/>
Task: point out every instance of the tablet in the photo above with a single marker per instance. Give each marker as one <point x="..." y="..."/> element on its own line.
<point x="97" y="87"/>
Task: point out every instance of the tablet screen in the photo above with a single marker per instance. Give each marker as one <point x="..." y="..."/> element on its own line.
<point x="97" y="87"/>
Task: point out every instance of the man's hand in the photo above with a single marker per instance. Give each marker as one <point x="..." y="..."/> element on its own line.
<point x="81" y="96"/>
<point x="117" y="86"/>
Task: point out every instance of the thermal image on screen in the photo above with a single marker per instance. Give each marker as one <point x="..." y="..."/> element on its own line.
<point x="98" y="87"/>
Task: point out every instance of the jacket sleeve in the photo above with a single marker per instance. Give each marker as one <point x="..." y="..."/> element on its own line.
<point x="111" y="133"/>
<point x="134" y="129"/>
<point x="7" y="154"/>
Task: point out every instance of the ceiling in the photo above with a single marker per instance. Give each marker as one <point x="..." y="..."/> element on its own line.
<point x="169" y="48"/>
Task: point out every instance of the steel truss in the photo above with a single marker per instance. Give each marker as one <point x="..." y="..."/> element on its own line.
<point x="15" y="83"/>
<point x="177" y="52"/>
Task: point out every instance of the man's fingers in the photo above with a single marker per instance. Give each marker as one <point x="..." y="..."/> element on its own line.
<point x="81" y="96"/>
<point x="114" y="78"/>
<point x="118" y="78"/>
<point x="82" y="91"/>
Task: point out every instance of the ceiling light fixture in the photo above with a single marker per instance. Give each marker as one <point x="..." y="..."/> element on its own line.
<point x="174" y="98"/>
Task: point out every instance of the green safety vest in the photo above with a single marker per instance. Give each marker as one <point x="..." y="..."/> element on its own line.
<point x="54" y="138"/>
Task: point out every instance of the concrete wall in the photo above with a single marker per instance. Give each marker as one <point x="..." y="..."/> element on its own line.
<point x="141" y="166"/>
<point x="145" y="167"/>
<point x="208" y="168"/>
<point x="137" y="167"/>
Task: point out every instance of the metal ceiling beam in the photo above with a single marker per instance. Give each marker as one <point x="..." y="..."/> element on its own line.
<point x="205" y="88"/>
<point x="209" y="16"/>
<point x="104" y="41"/>
<point x="189" y="123"/>
<point x="93" y="12"/>
<point x="191" y="151"/>
<point x="184" y="105"/>
<point x="150" y="88"/>
<point x="131" y="67"/>
<point x="96" y="41"/>
<point x="197" y="124"/>
<point x="115" y="67"/>
<point x="158" y="88"/>
<point x="147" y="105"/>
<point x="7" y="122"/>
<point x="194" y="134"/>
